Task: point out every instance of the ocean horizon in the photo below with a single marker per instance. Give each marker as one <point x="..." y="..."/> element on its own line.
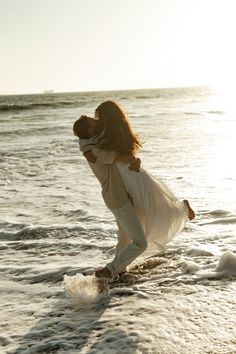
<point x="82" y="91"/>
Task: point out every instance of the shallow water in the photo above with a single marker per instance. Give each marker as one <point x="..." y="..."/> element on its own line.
<point x="54" y="224"/>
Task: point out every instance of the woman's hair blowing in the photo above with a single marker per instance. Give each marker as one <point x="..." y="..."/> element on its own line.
<point x="114" y="130"/>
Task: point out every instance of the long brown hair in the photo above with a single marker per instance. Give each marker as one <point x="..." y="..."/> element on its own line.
<point x="114" y="129"/>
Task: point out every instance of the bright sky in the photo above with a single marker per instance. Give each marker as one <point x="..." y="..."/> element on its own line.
<point x="77" y="45"/>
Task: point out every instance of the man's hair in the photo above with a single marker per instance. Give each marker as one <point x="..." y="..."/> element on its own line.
<point x="80" y="128"/>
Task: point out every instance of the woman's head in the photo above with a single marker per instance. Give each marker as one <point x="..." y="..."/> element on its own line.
<point x="114" y="129"/>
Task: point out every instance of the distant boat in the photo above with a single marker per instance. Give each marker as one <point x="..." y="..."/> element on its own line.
<point x="48" y="91"/>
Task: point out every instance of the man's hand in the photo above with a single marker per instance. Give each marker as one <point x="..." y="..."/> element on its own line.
<point x="133" y="162"/>
<point x="90" y="156"/>
<point x="136" y="165"/>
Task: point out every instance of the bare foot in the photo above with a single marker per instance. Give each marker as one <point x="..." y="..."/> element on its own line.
<point x="191" y="214"/>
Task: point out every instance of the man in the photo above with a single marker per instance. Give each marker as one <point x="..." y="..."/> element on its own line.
<point x="115" y="197"/>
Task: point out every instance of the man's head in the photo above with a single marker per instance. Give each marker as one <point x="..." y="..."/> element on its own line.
<point x="83" y="127"/>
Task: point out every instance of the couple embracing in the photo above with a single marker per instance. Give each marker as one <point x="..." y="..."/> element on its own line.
<point x="147" y="213"/>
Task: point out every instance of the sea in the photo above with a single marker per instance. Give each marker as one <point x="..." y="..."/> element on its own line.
<point x="55" y="227"/>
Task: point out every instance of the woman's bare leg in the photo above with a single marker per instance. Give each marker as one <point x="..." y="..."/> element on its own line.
<point x="191" y="214"/>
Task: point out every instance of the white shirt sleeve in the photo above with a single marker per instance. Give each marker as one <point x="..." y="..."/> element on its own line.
<point x="104" y="156"/>
<point x="85" y="144"/>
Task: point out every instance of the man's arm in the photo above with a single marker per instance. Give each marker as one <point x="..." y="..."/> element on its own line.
<point x="90" y="156"/>
<point x="126" y="159"/>
<point x="95" y="154"/>
<point x="131" y="160"/>
<point x="136" y="165"/>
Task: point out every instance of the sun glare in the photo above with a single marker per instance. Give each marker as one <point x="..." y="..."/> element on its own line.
<point x="225" y="99"/>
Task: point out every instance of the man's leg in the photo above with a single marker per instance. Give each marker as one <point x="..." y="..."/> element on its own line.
<point x="130" y="224"/>
<point x="123" y="239"/>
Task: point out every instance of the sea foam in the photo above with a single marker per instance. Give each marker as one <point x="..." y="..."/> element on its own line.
<point x="227" y="263"/>
<point x="226" y="266"/>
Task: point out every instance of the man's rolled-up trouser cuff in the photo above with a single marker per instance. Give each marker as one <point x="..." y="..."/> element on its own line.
<point x="112" y="270"/>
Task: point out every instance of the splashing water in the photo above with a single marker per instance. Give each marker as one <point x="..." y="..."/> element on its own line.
<point x="85" y="289"/>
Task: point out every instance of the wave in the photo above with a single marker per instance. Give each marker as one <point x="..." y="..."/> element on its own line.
<point x="216" y="112"/>
<point x="50" y="276"/>
<point x="214" y="215"/>
<point x="219" y="212"/>
<point x="143" y="97"/>
<point x="193" y="113"/>
<point x="33" y="232"/>
<point x="39" y="105"/>
<point x="39" y="232"/>
<point x="227" y="220"/>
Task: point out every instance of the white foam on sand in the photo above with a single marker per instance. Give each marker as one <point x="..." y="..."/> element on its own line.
<point x="227" y="263"/>
<point x="199" y="251"/>
<point x="85" y="289"/>
<point x="226" y="266"/>
<point x="190" y="267"/>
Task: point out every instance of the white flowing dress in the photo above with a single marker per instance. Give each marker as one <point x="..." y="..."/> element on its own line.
<point x="162" y="215"/>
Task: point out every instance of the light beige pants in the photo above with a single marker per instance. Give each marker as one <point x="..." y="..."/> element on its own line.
<point x="131" y="238"/>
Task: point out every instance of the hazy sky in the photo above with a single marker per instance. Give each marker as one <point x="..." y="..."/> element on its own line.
<point x="76" y="45"/>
